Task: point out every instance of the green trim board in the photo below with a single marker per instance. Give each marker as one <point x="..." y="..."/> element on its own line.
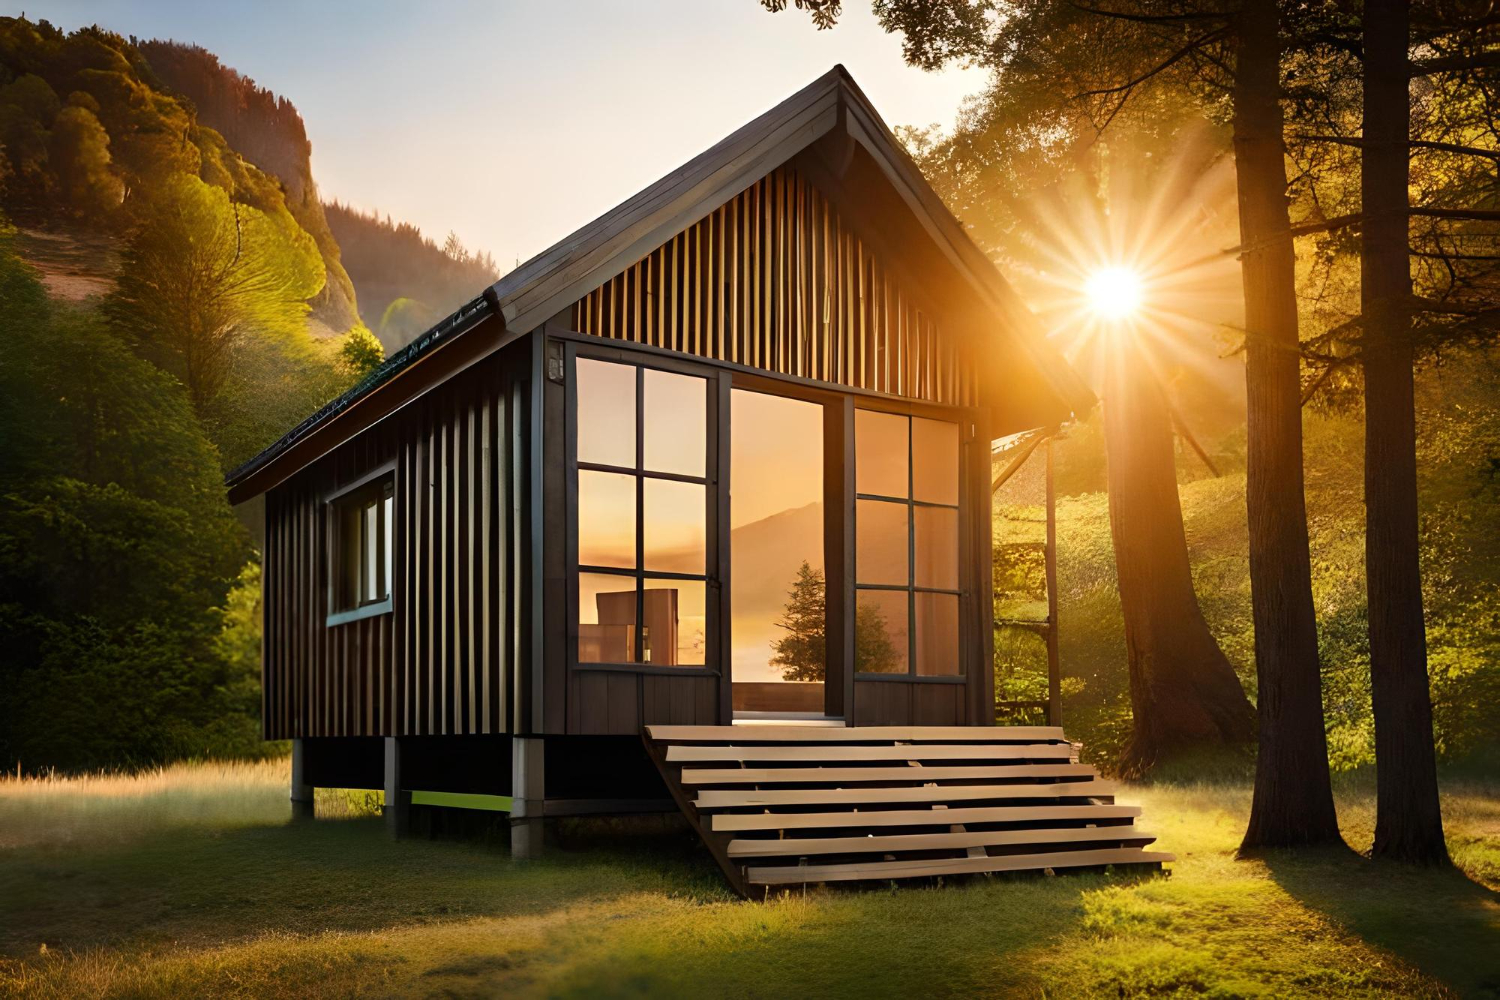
<point x="463" y="800"/>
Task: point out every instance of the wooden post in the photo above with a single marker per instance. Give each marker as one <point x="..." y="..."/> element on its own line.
<point x="397" y="798"/>
<point x="1054" y="664"/>
<point x="528" y="796"/>
<point x="302" y="792"/>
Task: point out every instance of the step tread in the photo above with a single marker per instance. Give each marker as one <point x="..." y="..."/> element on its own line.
<point x="798" y="874"/>
<point x="680" y="753"/>
<point x="810" y="775"/>
<point x="812" y="846"/>
<point x="848" y="819"/>
<point x="730" y="798"/>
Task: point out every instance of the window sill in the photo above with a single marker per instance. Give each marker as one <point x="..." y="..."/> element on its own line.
<point x="355" y="614"/>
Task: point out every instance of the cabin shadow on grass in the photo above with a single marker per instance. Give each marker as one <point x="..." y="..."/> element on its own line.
<point x="200" y="887"/>
<point x="1439" y="920"/>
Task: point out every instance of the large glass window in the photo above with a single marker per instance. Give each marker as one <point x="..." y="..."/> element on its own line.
<point x="906" y="544"/>
<point x="642" y="515"/>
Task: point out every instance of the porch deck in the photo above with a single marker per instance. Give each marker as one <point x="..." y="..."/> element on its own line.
<point x="794" y="805"/>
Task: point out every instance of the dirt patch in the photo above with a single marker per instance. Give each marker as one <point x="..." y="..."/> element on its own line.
<point x="74" y="266"/>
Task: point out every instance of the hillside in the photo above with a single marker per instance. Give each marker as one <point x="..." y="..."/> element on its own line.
<point x="90" y="133"/>
<point x="267" y="131"/>
<point x="92" y="125"/>
<point x="405" y="281"/>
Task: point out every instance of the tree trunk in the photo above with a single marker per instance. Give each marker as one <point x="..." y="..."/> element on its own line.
<point x="1183" y="692"/>
<point x="1408" y="820"/>
<point x="1293" y="802"/>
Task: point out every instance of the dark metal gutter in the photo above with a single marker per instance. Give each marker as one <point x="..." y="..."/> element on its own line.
<point x="468" y="316"/>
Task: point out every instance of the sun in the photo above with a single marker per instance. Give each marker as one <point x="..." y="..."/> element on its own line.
<point x="1114" y="292"/>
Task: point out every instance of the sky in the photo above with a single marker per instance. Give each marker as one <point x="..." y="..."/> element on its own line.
<point x="512" y="124"/>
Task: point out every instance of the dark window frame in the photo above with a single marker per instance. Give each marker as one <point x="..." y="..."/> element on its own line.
<point x="910" y="588"/>
<point x="639" y="574"/>
<point x="845" y="398"/>
<point x="379" y="482"/>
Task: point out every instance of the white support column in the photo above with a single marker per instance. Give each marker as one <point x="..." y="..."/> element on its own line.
<point x="397" y="798"/>
<point x="302" y="792"/>
<point x="528" y="796"/>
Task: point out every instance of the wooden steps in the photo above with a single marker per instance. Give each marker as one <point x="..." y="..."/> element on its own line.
<point x="792" y="805"/>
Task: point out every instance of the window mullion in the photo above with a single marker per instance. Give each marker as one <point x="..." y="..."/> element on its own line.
<point x="911" y="557"/>
<point x="640" y="514"/>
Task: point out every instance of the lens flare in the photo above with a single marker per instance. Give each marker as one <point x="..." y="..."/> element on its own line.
<point x="1125" y="262"/>
<point x="1114" y="292"/>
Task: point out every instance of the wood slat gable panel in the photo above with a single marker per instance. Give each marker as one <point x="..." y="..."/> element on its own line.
<point x="532" y="291"/>
<point x="803" y="295"/>
<point x="443" y="660"/>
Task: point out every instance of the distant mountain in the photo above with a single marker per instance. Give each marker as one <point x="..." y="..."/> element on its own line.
<point x="406" y="282"/>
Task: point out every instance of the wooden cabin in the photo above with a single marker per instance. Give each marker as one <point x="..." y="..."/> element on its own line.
<point x="711" y="472"/>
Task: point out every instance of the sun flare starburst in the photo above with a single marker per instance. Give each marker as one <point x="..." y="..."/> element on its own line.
<point x="1129" y="263"/>
<point x="1114" y="292"/>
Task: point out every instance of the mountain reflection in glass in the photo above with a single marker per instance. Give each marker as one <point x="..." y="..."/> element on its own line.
<point x="777" y="603"/>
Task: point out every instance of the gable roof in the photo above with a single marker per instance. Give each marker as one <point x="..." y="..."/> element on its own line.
<point x="525" y="298"/>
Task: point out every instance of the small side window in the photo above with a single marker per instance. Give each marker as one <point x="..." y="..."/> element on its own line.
<point x="361" y="523"/>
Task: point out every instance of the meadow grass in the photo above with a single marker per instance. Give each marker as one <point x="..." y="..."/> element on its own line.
<point x="192" y="880"/>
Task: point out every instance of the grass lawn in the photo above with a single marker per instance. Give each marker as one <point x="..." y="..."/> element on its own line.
<point x="192" y="881"/>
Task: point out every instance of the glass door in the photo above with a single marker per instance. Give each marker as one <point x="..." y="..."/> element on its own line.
<point x="777" y="588"/>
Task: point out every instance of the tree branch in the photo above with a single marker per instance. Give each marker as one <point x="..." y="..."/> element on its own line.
<point x="1333" y="41"/>
<point x="1304" y="229"/>
<point x="1327" y="373"/>
<point x="1455" y="64"/>
<point x="1174" y="58"/>
<point x="1446" y="147"/>
<point x="1470" y="214"/>
<point x="1151" y="18"/>
<point x="1439" y="255"/>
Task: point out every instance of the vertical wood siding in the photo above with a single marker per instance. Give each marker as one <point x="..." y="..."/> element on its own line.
<point x="776" y="279"/>
<point x="443" y="660"/>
